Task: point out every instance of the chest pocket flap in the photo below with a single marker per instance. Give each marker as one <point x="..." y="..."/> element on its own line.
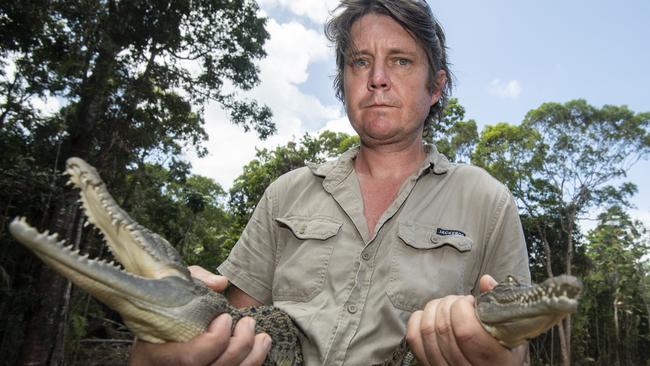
<point x="303" y="262"/>
<point x="303" y="227"/>
<point x="420" y="236"/>
<point x="426" y="265"/>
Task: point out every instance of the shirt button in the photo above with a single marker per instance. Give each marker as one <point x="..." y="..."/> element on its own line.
<point x="352" y="309"/>
<point x="365" y="256"/>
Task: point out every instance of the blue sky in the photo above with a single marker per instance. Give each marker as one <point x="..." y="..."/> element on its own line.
<point x="508" y="58"/>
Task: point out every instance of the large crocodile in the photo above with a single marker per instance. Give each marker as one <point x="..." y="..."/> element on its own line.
<point x="159" y="300"/>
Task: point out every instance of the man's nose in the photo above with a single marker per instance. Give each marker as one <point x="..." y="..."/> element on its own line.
<point x="379" y="78"/>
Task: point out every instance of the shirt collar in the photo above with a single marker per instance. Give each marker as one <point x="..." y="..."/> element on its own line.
<point x="335" y="171"/>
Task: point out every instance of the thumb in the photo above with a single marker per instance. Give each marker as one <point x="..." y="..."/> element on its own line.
<point x="213" y="281"/>
<point x="487" y="283"/>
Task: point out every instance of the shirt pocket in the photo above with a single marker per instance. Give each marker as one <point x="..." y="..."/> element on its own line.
<point x="304" y="258"/>
<point x="426" y="266"/>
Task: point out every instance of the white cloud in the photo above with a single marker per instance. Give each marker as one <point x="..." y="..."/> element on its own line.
<point x="338" y="125"/>
<point x="285" y="68"/>
<point x="511" y="89"/>
<point x="316" y="10"/>
<point x="230" y="148"/>
<point x="291" y="49"/>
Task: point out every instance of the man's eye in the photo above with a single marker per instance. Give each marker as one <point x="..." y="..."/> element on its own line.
<point x="360" y="63"/>
<point x="403" y="61"/>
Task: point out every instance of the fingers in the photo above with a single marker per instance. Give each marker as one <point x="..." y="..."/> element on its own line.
<point x="487" y="283"/>
<point x="214" y="347"/>
<point x="433" y="334"/>
<point x="445" y="332"/>
<point x="414" y="337"/>
<point x="213" y="281"/>
<point x="260" y="350"/>
<point x="477" y="345"/>
<point x="429" y="334"/>
<point x="200" y="350"/>
<point x="242" y="344"/>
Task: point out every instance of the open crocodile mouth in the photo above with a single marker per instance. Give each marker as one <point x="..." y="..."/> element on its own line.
<point x="154" y="292"/>
<point x="105" y="280"/>
<point x="150" y="264"/>
<point x="139" y="250"/>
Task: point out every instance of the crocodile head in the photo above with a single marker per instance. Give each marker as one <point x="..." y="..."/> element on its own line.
<point x="155" y="294"/>
<point x="514" y="313"/>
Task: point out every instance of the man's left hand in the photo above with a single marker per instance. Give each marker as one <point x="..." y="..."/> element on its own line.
<point x="447" y="332"/>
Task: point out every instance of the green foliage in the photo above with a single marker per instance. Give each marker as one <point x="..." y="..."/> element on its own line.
<point x="134" y="75"/>
<point x="186" y="210"/>
<point x="560" y="163"/>
<point x="614" y="318"/>
<point x="78" y="325"/>
<point x="453" y="136"/>
<point x="132" y="79"/>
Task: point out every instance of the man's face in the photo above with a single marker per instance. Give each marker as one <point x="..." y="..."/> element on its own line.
<point x="386" y="83"/>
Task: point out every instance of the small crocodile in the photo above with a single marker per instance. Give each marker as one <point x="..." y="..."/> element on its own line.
<point x="160" y="301"/>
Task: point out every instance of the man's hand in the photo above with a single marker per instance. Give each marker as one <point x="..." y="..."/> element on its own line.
<point x="447" y="332"/>
<point x="217" y="346"/>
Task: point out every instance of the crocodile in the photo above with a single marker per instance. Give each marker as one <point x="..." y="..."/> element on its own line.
<point x="160" y="301"/>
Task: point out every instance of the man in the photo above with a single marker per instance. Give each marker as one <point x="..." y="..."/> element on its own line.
<point x="354" y="250"/>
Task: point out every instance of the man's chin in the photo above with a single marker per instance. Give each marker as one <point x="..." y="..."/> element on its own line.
<point x="383" y="140"/>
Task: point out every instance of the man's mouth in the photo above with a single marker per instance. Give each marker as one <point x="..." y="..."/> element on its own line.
<point x="379" y="105"/>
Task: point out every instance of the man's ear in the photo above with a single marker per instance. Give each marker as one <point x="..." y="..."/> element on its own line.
<point x="441" y="80"/>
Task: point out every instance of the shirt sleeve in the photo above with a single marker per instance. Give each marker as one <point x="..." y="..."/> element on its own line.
<point x="506" y="252"/>
<point x="251" y="263"/>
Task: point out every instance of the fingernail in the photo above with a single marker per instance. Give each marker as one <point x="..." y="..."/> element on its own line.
<point x="251" y="324"/>
<point x="268" y="342"/>
<point x="224" y="320"/>
<point x="227" y="318"/>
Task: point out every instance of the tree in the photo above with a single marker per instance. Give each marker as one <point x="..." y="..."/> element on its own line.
<point x="560" y="163"/>
<point x="133" y="78"/>
<point x="453" y="136"/>
<point x="187" y="210"/>
<point x="616" y="318"/>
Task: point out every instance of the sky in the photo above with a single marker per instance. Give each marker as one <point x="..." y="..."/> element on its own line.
<point x="508" y="57"/>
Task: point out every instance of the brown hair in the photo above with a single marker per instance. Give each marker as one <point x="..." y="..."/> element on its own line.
<point x="416" y="18"/>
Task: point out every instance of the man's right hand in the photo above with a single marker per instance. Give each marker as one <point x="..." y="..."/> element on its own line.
<point x="217" y="346"/>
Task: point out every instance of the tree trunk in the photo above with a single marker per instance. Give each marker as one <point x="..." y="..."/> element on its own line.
<point x="565" y="357"/>
<point x="94" y="93"/>
<point x="616" y="330"/>
<point x="44" y="335"/>
<point x="565" y="325"/>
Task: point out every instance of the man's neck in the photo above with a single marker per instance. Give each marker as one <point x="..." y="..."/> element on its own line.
<point x="389" y="162"/>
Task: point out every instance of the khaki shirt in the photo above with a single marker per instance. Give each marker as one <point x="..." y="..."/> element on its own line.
<point x="307" y="250"/>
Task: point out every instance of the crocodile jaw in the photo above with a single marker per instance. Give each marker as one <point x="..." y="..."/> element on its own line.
<point x="156" y="310"/>
<point x="155" y="294"/>
<point x="139" y="250"/>
<point x="513" y="313"/>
